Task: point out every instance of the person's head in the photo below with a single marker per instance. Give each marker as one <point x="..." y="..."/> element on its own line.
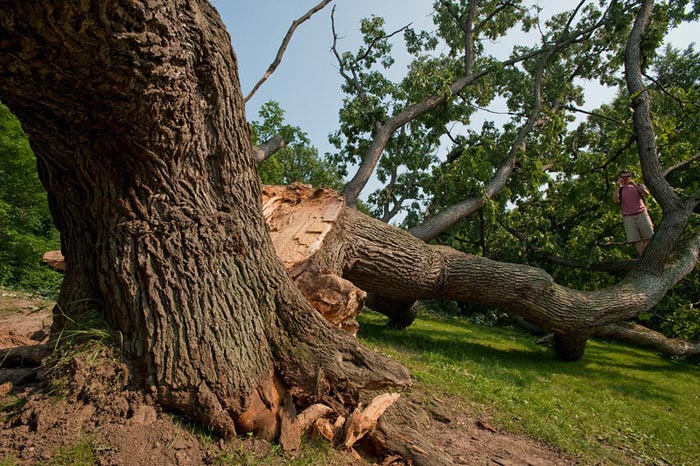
<point x="625" y="175"/>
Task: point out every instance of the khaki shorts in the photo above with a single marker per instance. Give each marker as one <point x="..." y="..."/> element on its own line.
<point x="638" y="227"/>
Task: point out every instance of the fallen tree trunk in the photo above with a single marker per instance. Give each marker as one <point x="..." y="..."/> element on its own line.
<point x="363" y="251"/>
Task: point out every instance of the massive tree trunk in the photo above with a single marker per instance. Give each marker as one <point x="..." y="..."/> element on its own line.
<point x="137" y="120"/>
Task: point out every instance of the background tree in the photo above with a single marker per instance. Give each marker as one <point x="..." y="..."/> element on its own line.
<point x="26" y="228"/>
<point x="298" y="160"/>
<point x="540" y="187"/>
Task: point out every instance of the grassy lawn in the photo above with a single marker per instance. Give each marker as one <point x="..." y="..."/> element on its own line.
<point x="618" y="405"/>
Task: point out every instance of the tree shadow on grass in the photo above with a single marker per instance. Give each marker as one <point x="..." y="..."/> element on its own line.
<point x="513" y="357"/>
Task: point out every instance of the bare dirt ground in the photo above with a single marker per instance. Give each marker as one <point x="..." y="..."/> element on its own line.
<point x="124" y="427"/>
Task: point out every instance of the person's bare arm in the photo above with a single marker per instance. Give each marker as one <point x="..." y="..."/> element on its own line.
<point x="643" y="191"/>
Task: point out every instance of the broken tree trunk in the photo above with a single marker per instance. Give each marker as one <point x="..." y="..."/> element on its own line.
<point x="384" y="260"/>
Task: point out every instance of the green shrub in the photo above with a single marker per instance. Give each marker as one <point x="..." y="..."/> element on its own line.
<point x="26" y="227"/>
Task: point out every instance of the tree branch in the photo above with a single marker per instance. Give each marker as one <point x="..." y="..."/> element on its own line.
<point x="608" y="267"/>
<point x="488" y="18"/>
<point x="283" y="47"/>
<point x="681" y="164"/>
<point x="639" y="335"/>
<point x="374" y="41"/>
<point x="468" y="28"/>
<point x="676" y="211"/>
<point x="341" y="67"/>
<point x="644" y="130"/>
<point x="268" y="148"/>
<point x="384" y="131"/>
<point x="436" y="224"/>
<point x="629" y="143"/>
<point x="593" y="114"/>
<point x="526" y="291"/>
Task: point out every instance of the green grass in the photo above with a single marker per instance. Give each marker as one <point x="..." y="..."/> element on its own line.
<point x="313" y="452"/>
<point x="79" y="454"/>
<point x="10" y="407"/>
<point x="620" y="404"/>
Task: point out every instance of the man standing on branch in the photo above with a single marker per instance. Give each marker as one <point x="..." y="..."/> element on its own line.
<point x="638" y="226"/>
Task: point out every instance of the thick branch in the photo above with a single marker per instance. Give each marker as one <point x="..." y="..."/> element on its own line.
<point x="527" y="291"/>
<point x="643" y="126"/>
<point x="639" y="335"/>
<point x="283" y="47"/>
<point x="268" y="148"/>
<point x="435" y="225"/>
<point x="468" y="29"/>
<point x="675" y="211"/>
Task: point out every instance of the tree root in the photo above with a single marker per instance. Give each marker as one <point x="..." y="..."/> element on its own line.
<point x="397" y="434"/>
<point x="25" y="356"/>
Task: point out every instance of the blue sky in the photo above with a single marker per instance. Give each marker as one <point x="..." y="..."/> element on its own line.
<point x="307" y="83"/>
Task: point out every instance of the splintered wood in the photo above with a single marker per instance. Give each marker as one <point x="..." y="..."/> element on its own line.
<point x="363" y="421"/>
<point x="299" y="218"/>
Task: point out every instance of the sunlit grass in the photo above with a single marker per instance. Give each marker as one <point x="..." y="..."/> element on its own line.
<point x="618" y="404"/>
<point x="313" y="452"/>
<point x="79" y="454"/>
<point x="10" y="407"/>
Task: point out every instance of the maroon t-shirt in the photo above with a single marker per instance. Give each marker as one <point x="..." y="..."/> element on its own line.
<point x="631" y="201"/>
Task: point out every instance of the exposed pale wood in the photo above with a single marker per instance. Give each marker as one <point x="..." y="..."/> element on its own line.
<point x="311" y="414"/>
<point x="331" y="431"/>
<point x="262" y="416"/>
<point x="290" y="433"/>
<point x="363" y="421"/>
<point x="54" y="259"/>
<point x="299" y="218"/>
<point x="324" y="427"/>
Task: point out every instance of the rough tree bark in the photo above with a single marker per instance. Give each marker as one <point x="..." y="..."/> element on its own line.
<point x="136" y="116"/>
